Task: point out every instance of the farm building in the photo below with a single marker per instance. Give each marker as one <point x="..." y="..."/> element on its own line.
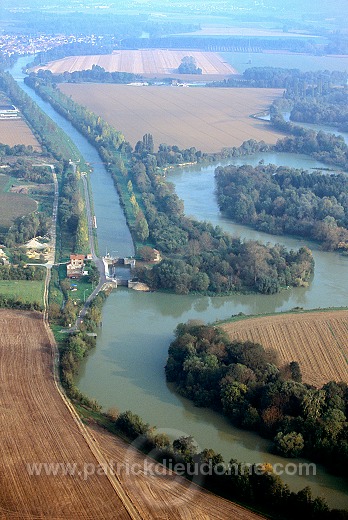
<point x="75" y="268"/>
<point x="9" y="112"/>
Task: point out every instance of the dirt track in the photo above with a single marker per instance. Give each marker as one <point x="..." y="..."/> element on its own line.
<point x="37" y="426"/>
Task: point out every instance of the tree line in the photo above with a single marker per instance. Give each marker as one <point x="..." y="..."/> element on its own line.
<point x="294" y="80"/>
<point x="254" y="485"/>
<point x="95" y="74"/>
<point x="21" y="272"/>
<point x="282" y="200"/>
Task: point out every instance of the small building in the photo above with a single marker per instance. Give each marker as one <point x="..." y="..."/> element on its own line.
<point x="157" y="256"/>
<point x="9" y="112"/>
<point x="76" y="266"/>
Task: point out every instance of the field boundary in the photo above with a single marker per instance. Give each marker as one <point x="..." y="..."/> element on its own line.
<point x="241" y="316"/>
<point x="316" y="339"/>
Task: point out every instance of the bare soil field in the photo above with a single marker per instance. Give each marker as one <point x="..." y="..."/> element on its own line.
<point x="206" y="118"/>
<point x="155" y="62"/>
<point x="317" y="340"/>
<point x="38" y="426"/>
<point x="16" y="131"/>
<point x="166" y="495"/>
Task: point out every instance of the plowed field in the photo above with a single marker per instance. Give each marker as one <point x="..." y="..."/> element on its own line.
<point x="166" y="496"/>
<point x="148" y="61"/>
<point x="206" y="118"/>
<point x="16" y="131"/>
<point x="68" y="481"/>
<point x="317" y="340"/>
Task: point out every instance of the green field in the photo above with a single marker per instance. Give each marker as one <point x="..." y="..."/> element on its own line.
<point x="28" y="291"/>
<point x="12" y="205"/>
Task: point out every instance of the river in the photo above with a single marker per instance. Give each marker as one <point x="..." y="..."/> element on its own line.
<point x="126" y="369"/>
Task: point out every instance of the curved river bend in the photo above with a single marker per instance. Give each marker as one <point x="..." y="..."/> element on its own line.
<point x="127" y="367"/>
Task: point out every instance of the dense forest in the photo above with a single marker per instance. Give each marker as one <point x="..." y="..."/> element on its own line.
<point x="282" y="200"/>
<point x="243" y="381"/>
<point x="331" y="109"/>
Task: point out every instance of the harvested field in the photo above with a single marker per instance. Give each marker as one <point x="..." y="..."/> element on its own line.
<point x="206" y="118"/>
<point x="165" y="496"/>
<point x="155" y="62"/>
<point x="16" y="131"/>
<point x="317" y="340"/>
<point x="38" y="426"/>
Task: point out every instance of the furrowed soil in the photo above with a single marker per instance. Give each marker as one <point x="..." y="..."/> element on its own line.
<point x="164" y="494"/>
<point x="156" y="62"/>
<point x="316" y="340"/>
<point x="53" y="467"/>
<point x="16" y="131"/>
<point x="208" y="119"/>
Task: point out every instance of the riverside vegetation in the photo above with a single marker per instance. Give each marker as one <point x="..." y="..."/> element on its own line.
<point x="198" y="256"/>
<point x="283" y="200"/>
<point x="243" y="381"/>
<point x="22" y="164"/>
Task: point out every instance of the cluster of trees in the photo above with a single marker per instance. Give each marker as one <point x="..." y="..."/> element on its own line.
<point x="255" y="485"/>
<point x="100" y="47"/>
<point x="201" y="257"/>
<point x="21" y="272"/>
<point x="321" y="105"/>
<point x="231" y="265"/>
<point x="323" y="146"/>
<point x="7" y="61"/>
<point x="24" y="169"/>
<point x="27" y="227"/>
<point x="76" y="346"/>
<point x="243" y="381"/>
<point x="16" y="150"/>
<point x="283" y="200"/>
<point x="188" y="65"/>
<point x="71" y="216"/>
<point x="166" y="154"/>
